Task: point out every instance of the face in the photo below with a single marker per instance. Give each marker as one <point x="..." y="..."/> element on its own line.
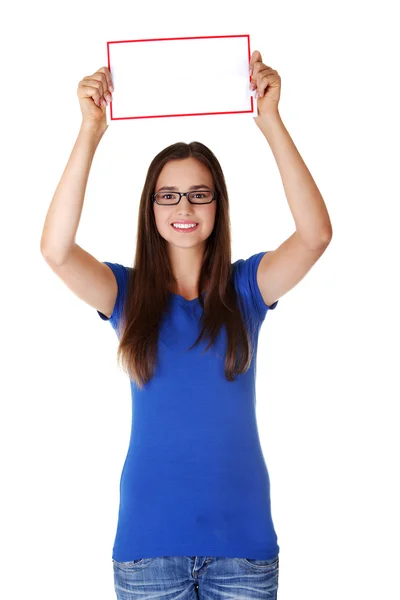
<point x="183" y="174"/>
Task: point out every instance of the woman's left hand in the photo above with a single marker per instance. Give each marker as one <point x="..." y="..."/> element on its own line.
<point x="267" y="81"/>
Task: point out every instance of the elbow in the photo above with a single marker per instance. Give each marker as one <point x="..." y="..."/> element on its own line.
<point x="326" y="238"/>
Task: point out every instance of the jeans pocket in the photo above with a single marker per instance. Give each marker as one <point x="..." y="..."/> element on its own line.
<point x="267" y="564"/>
<point x="131" y="564"/>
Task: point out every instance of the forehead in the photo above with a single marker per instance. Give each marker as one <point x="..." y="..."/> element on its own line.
<point x="187" y="172"/>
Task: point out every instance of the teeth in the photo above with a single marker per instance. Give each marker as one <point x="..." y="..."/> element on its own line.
<point x="183" y="226"/>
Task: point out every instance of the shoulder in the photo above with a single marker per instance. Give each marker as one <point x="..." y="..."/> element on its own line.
<point x="244" y="274"/>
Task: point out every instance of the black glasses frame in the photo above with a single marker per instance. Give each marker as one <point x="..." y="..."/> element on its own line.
<point x="214" y="197"/>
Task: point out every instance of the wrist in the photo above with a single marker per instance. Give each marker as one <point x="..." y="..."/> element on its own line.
<point x="93" y="129"/>
<point x="269" y="118"/>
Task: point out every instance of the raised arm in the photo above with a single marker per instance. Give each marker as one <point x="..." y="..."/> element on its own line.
<point x="88" y="278"/>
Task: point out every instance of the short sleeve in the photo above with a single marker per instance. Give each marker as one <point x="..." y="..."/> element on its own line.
<point x="245" y="278"/>
<point x="121" y="274"/>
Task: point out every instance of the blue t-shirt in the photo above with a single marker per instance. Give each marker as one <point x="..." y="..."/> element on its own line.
<point x="194" y="481"/>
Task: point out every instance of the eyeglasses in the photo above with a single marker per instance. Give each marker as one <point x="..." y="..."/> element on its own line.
<point x="168" y="198"/>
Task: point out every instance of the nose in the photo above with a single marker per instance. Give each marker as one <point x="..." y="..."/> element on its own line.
<point x="184" y="204"/>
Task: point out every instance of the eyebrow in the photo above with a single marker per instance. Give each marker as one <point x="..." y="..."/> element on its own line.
<point x="192" y="187"/>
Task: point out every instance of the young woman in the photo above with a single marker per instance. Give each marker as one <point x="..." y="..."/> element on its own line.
<point x="195" y="511"/>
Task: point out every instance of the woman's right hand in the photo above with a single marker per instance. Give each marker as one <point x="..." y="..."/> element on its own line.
<point x="94" y="94"/>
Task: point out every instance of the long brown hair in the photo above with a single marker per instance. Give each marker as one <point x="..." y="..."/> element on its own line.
<point x="151" y="275"/>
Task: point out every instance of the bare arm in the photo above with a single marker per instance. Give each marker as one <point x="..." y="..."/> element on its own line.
<point x="89" y="279"/>
<point x="63" y="216"/>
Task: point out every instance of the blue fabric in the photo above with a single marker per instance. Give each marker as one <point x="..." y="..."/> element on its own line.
<point x="194" y="481"/>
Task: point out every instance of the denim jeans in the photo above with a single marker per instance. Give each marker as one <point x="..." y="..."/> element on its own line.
<point x="193" y="577"/>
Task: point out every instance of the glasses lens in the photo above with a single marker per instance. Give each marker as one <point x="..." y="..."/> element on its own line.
<point x="172" y="198"/>
<point x="200" y="197"/>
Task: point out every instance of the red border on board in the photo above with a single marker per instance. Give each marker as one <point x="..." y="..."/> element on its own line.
<point x="185" y="114"/>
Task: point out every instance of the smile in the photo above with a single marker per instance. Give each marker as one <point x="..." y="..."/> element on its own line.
<point x="185" y="228"/>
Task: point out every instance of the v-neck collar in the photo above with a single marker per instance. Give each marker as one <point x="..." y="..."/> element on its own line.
<point x="184" y="300"/>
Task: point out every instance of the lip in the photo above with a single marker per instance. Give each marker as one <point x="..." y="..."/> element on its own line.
<point x="184" y="222"/>
<point x="185" y="230"/>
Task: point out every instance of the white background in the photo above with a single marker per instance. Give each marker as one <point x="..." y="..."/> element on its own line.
<point x="327" y="388"/>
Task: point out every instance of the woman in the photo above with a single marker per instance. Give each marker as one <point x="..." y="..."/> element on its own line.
<point x="194" y="480"/>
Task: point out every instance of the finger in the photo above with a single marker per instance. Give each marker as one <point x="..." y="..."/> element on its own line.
<point x="261" y="69"/>
<point x="98" y="80"/>
<point x="257" y="77"/>
<point x="256" y="56"/>
<point x="107" y="73"/>
<point x="262" y="72"/>
<point x="93" y="89"/>
<point x="265" y="80"/>
<point x="262" y="86"/>
<point x="102" y="84"/>
<point x="258" y="68"/>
